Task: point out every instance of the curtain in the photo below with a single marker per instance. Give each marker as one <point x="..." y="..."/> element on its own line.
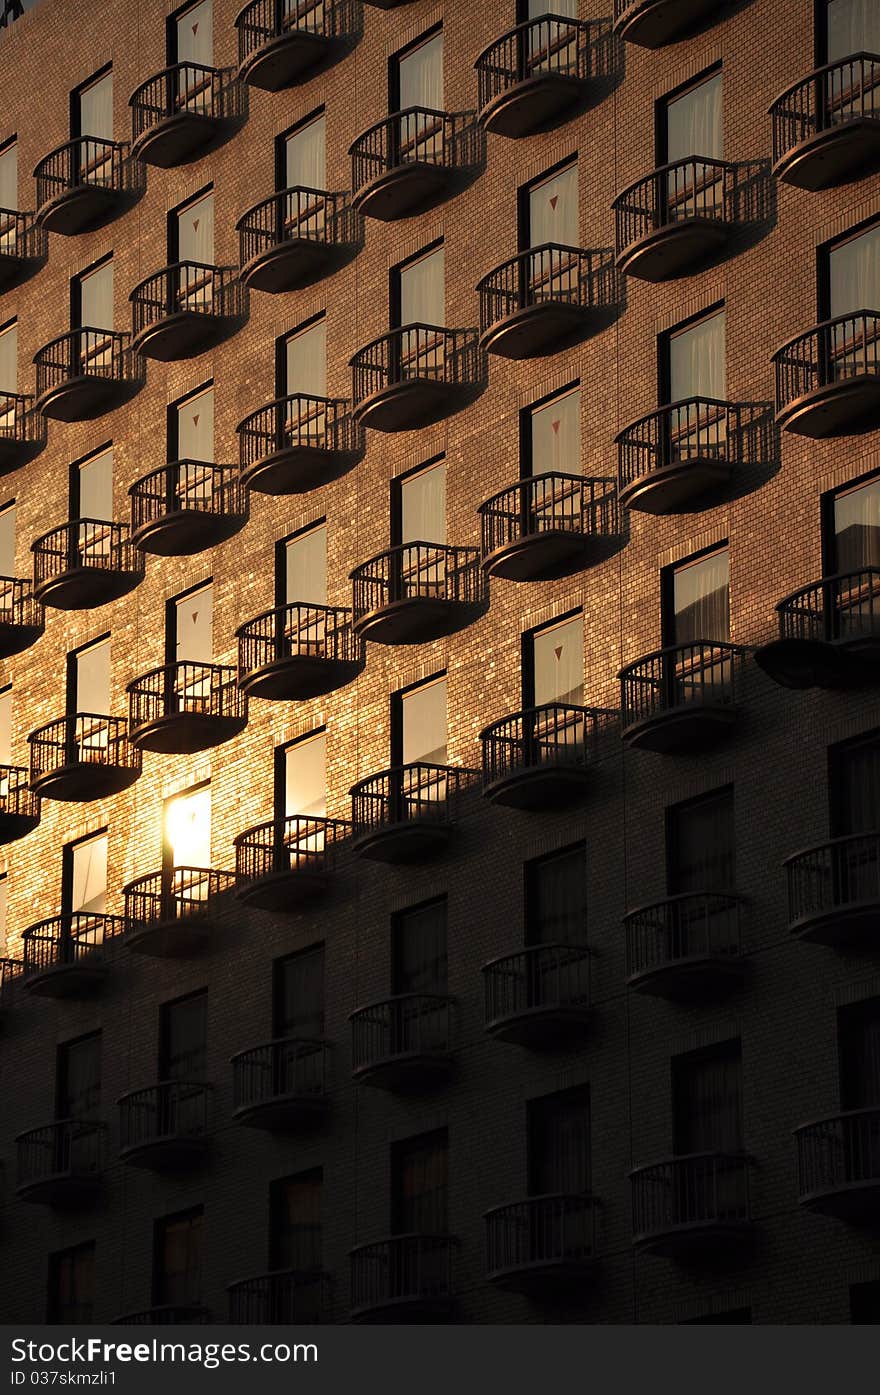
<point x="9" y="360"/>
<point x="702" y="599"/>
<point x="558" y="660"/>
<point x="854" y="274"/>
<point x="853" y="27"/>
<point x="422" y="294"/>
<point x="857" y="528"/>
<point x="697" y="360"/>
<point x="296" y="1230"/>
<point x="424" y="724"/>
<point x="559" y="1144"/>
<point x="420" y="950"/>
<point x="305" y="778"/>
<point x="195" y="232"/>
<point x="305" y="568"/>
<point x="96" y="487"/>
<point x="179" y="1280"/>
<point x="556" y="436"/>
<point x="9" y="178"/>
<point x="702" y="845"/>
<point x="96" y="109"/>
<point x="90" y="876"/>
<point x="567" y="8"/>
<point x="305" y="363"/>
<point x="195" y="427"/>
<point x="7" y="541"/>
<point x="6" y="728"/>
<point x="93" y="678"/>
<point x="188" y="828"/>
<point x="96" y="298"/>
<point x="420" y="76"/>
<point x="859" y="1035"/>
<point x="707" y="1096"/>
<point x="421" y="1187"/>
<point x="73" y="1285"/>
<point x="300" y="1003"/>
<point x="80" y="1079"/>
<point x="193" y="616"/>
<point x="556" y="899"/>
<point x="423" y="506"/>
<point x="553" y="210"/>
<point x="194" y="35"/>
<point x="694" y="124"/>
<point x="304" y="156"/>
<point x="856" y="783"/>
<point x="184" y="1038"/>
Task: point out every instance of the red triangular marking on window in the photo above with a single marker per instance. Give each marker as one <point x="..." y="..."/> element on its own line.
<point x="195" y="27"/>
<point x="195" y="224"/>
<point x="195" y="616"/>
<point x="558" y="651"/>
<point x="556" y="425"/>
<point x="554" y="201"/>
<point x="196" y="418"/>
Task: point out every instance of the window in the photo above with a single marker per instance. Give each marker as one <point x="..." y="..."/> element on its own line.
<point x="8" y="197"/>
<point x="864" y="1302"/>
<point x="698" y="599"/>
<point x="700" y="844"/>
<point x="418" y="949"/>
<point x="552" y="436"/>
<point x="92" y="315"/>
<point x="4" y="906"/>
<point x="7" y="540"/>
<point x="858" y="1038"/>
<point x="419" y="511"/>
<point x="78" y="1078"/>
<point x="190" y="41"/>
<point x="6" y="726"/>
<point x="854" y="781"/>
<point x="420" y="723"/>
<point x="189" y="641"/>
<point x="191" y="449"/>
<point x="852" y="532"/>
<point x="84" y="876"/>
<point x="72" y="1285"/>
<point x="8" y="367"/>
<point x="707" y="1100"/>
<point x="302" y="169"/>
<point x="88" y="699"/>
<point x="302" y="362"/>
<point x="177" y="1259"/>
<point x="559" y="1144"/>
<point x="91" y="501"/>
<point x="295" y="1234"/>
<point x="419" y="1184"/>
<point x="298" y="1007"/>
<point x="183" y="1028"/>
<point x="556" y="898"/>
<point x="302" y="575"/>
<point x="92" y="125"/>
<point x="851" y="26"/>
<point x="417" y="82"/>
<point x="553" y="668"/>
<point x="552" y="47"/>
<point x="191" y="235"/>
<point x="187" y="829"/>
<point x="418" y="285"/>
<point x="850" y="275"/>
<point x="302" y="773"/>
<point x="690" y="125"/>
<point x="549" y="215"/>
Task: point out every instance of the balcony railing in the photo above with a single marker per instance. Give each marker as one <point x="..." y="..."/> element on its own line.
<point x="838" y="609"/>
<point x="282" y="1297"/>
<point x="90" y="545"/>
<point x="839" y="1154"/>
<point x="288" y="1067"/>
<point x="653" y="23"/>
<point x="173" y="895"/>
<point x="172" y="1111"/>
<point x="410" y="1024"/>
<point x="298" y="426"/>
<point x="308" y="28"/>
<point x="830" y="355"/>
<point x="209" y="96"/>
<point x="186" y="689"/>
<point x="693" y="926"/>
<point x="17" y="800"/>
<point x="691" y="432"/>
<point x="87" y="165"/>
<point x="584" y="281"/>
<point x="23" y="245"/>
<point x="10" y="971"/>
<point x="542" y="978"/>
<point x="416" y="353"/>
<point x="541" y="737"/>
<point x="418" y="571"/>
<point x="71" y="1149"/>
<point x="297" y="631"/>
<point x="550" y="503"/>
<point x="69" y="941"/>
<point x="402" y="1270"/>
<point x="553" y="1232"/>
<point x="706" y="1192"/>
<point x="297" y="214"/>
<point x="296" y="844"/>
<point x="829" y="99"/>
<point x="22" y="429"/>
<point x="408" y="794"/>
<point x="697" y="675"/>
<point x="87" y="352"/>
<point x="82" y="738"/>
<point x="540" y="50"/>
<point x="186" y="288"/>
<point x="189" y="487"/>
<point x="418" y="135"/>
<point x="834" y="877"/>
<point x="22" y="619"/>
<point x="697" y="188"/>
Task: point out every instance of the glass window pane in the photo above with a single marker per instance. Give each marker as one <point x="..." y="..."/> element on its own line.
<point x="9" y="177"/>
<point x="7" y="541"/>
<point x="93" y="679"/>
<point x="305" y="568"/>
<point x="693" y="123"/>
<point x="853" y="27"/>
<point x="304" y="157"/>
<point x="184" y="1034"/>
<point x="6" y="727"/>
<point x="423" y="506"/>
<point x="702" y="599"/>
<point x="305" y="778"/>
<point x="419" y="950"/>
<point x="188" y="828"/>
<point x="195" y="232"/>
<point x="556" y="899"/>
<point x="194" y="618"/>
<point x="96" y="109"/>
<point x="194" y="41"/>
<point x="420" y="76"/>
<point x="424" y="724"/>
<point x="702" y="845"/>
<point x="96" y="298"/>
<point x="854" y="274"/>
<point x="4" y="898"/>
<point x="556" y="436"/>
<point x="558" y="656"/>
<point x="567" y="8"/>
<point x="296" y="1223"/>
<point x="422" y="295"/>
<point x="9" y="359"/>
<point x="553" y="210"/>
<point x="697" y="365"/>
<point x="90" y="876"/>
<point x="856" y="528"/>
<point x="300" y="995"/>
<point x="306" y="362"/>
<point x="195" y="427"/>
<point x="96" y="487"/>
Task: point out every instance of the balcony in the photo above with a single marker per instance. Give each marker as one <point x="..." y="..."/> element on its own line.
<point x="24" y="247"/>
<point x="691" y="1206"/>
<point x="171" y="914"/>
<point x="415" y="375"/>
<point x="829" y="634"/>
<point x="839" y="1166"/>
<point x="165" y="1315"/>
<point x="186" y="309"/>
<point x="19" y="806"/>
<point x="65" y="957"/>
<point x="549" y="525"/>
<point x="10" y="973"/>
<point x="182" y="708"/>
<point x="546" y="298"/>
<point x="671" y="222"/>
<point x="295" y="237"/>
<point x="686" y="456"/>
<point x="282" y="865"/>
<point x="282" y="42"/>
<point x="834" y="892"/>
<point x="541" y="758"/>
<point x="828" y="380"/>
<point x="403" y="1043"/>
<point x="22" y="431"/>
<point x="84" y="373"/>
<point x="85" y="183"/>
<point x="187" y="506"/>
<point x="418" y="592"/>
<point x="282" y="1297"/>
<point x="541" y="71"/>
<point x="21" y="616"/>
<point x="82" y="756"/>
<point x="412" y="160"/>
<point x="166" y="1127"/>
<point x="299" y="443"/>
<point x="686" y="948"/>
<point x="281" y="1084"/>
<point x="84" y="564"/>
<point x="405" y="1278"/>
<point x="679" y="699"/>
<point x="61" y="1163"/>
<point x="540" y="996"/>
<point x="653" y="23"/>
<point x="826" y="127"/>
<point x="542" y="1244"/>
<point x="183" y="112"/>
<point x="296" y="652"/>
<point x="408" y="812"/>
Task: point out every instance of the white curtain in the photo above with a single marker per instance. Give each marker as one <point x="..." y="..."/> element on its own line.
<point x="567" y="8"/>
<point x="558" y="658"/>
<point x="556" y="436"/>
<point x="694" y="124"/>
<point x="194" y="35"/>
<point x="90" y="876"/>
<point x="304" y="157"/>
<point x="420" y="76"/>
<point x="96" y="109"/>
<point x="6" y="727"/>
<point x="697" y="361"/>
<point x="96" y="298"/>
<point x="306" y="362"/>
<point x="194" y="627"/>
<point x="423" y="506"/>
<point x="857" y="528"/>
<point x="9" y="359"/>
<point x="305" y="568"/>
<point x="93" y="678"/>
<point x="195" y="232"/>
<point x="553" y="210"/>
<point x="853" y="27"/>
<point x="855" y="274"/>
<point x="188" y="828"/>
<point x="424" y="724"/>
<point x="195" y="427"/>
<point x="305" y="778"/>
<point x="702" y="599"/>
<point x="96" y="487"/>
<point x="9" y="177"/>
<point x="7" y="543"/>
<point x="422" y="296"/>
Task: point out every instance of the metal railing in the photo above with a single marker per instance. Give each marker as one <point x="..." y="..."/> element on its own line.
<point x="416" y="352"/>
<point x="82" y="738"/>
<point x="406" y="794"/>
<point x="418" y="571"/>
<point x="839" y="1152"/>
<point x="321" y="632"/>
<point x="835" y="351"/>
<point x="16" y="797"/>
<point x="20" y="237"/>
<point x="298" y="422"/>
<point x="546" y="275"/>
<point x="409" y="1024"/>
<point x="698" y="674"/>
<point x="68" y="940"/>
<point x="697" y="187"/>
<point x="297" y="843"/>
<point x="185" y="689"/>
<point x="553" y="734"/>
<point x="692" y="1191"/>
<point x="72" y="1148"/>
<point x="297" y="214"/>
<point x="281" y="1297"/>
<point x="82" y="162"/>
<point x="187" y="288"/>
<point x="10" y="971"/>
<point x="401" y="1269"/>
<point x="86" y="352"/>
<point x="833" y="876"/>
<point x="19" y="609"/>
<point x="264" y="20"/>
<point x="549" y="503"/>
<point x="187" y="486"/>
<point x="171" y="1110"/>
<point x="175" y="894"/>
<point x="555" y="1229"/>
<point x="552" y="46"/>
<point x="183" y="88"/>
<point x="843" y="607"/>
<point x="843" y="91"/>
<point x="19" y="421"/>
<point x="694" y="925"/>
<point x="418" y="135"/>
<point x="288" y="1066"/>
<point x="694" y="429"/>
<point x="540" y="978"/>
<point x="85" y="543"/>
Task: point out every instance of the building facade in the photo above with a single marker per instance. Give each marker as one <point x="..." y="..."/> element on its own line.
<point x="438" y="714"/>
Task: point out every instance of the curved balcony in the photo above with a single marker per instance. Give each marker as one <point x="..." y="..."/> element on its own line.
<point x="85" y="563"/>
<point x="418" y="592"/>
<point x="82" y="756"/>
<point x="828" y="379"/>
<point x="295" y="237"/>
<point x="165" y="1315"/>
<point x="683" y="456"/>
<point x="19" y="806"/>
<point x="83" y="184"/>
<point x="65" y="957"/>
<point x="403" y="1278"/>
<point x="166" y="1127"/>
<point x="22" y="431"/>
<point x="280" y="44"/>
<point x="415" y="375"/>
<point x="539" y="71"/>
<point x="184" y="111"/>
<point x="186" y="309"/>
<point x="544" y="299"/>
<point x="61" y="1163"/>
<point x="834" y="892"/>
<point x="295" y="652"/>
<point x="182" y="708"/>
<point x="679" y="699"/>
<point x="539" y="996"/>
<point x="673" y="220"/>
<point x="187" y="506"/>
<point x="408" y="812"/>
<point x="826" y="127"/>
<point x="283" y="864"/>
<point x="549" y="525"/>
<point x="299" y="443"/>
<point x="171" y="914"/>
<point x="839" y="1165"/>
<point x="694" y="1204"/>
<point x="541" y="758"/>
<point x="281" y="1084"/>
<point x="84" y="373"/>
<point x="24" y="246"/>
<point x="685" y="947"/>
<point x="411" y="160"/>
<point x="653" y="23"/>
<point x="829" y="634"/>
<point x="282" y="1296"/>
<point x="403" y="1043"/>
<point x="22" y="620"/>
<point x="542" y="1243"/>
